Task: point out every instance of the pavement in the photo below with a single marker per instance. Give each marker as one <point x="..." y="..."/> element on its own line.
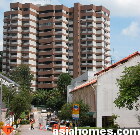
<point x="26" y="129"/>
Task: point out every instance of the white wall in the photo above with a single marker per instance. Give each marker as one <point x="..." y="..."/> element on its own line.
<point x="107" y="92"/>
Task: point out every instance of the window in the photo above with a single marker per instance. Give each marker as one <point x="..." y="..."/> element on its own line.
<point x="27" y="15"/>
<point x="25" y="28"/>
<point x="58" y="42"/>
<point x="57" y="11"/>
<point x="58" y="23"/>
<point x="13" y="21"/>
<point x="89" y="61"/>
<point x="58" y="62"/>
<point x="13" y="40"/>
<point x="58" y="55"/>
<point x="57" y="30"/>
<point x="83" y="11"/>
<point x="58" y="49"/>
<point x="88" y="23"/>
<point x="83" y="17"/>
<point x="89" y="35"/>
<point x="25" y="9"/>
<point x="58" y="17"/>
<point x="14" y="60"/>
<point x="89" y="42"/>
<point x="89" y="17"/>
<point x="13" y="15"/>
<point x="83" y="68"/>
<point x="83" y="36"/>
<point x="58" y="36"/>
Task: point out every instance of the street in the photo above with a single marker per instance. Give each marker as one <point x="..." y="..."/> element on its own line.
<point x="26" y="130"/>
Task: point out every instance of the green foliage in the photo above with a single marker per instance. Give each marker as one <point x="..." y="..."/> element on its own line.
<point x="55" y="100"/>
<point x="23" y="115"/>
<point x="24" y="122"/>
<point x="66" y="112"/>
<point x="40" y="97"/>
<point x="19" y="101"/>
<point x="22" y="75"/>
<point x="129" y="88"/>
<point x="20" y="104"/>
<point x="113" y="123"/>
<point x="63" y="81"/>
<point x="51" y="99"/>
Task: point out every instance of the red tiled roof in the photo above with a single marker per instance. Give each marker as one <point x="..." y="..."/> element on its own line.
<point x="84" y="85"/>
<point x="108" y="68"/>
<point x="119" y="62"/>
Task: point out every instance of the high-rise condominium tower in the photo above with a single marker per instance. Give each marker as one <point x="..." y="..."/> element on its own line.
<point x="54" y="38"/>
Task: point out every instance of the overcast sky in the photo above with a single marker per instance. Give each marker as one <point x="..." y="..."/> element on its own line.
<point x="125" y="22"/>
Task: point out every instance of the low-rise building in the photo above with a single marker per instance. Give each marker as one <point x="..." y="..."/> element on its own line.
<point x="100" y="93"/>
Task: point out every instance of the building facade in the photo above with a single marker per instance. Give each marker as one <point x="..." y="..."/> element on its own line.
<point x="101" y="92"/>
<point x="53" y="39"/>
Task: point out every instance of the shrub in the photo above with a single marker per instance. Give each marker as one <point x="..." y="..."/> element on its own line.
<point x="24" y="122"/>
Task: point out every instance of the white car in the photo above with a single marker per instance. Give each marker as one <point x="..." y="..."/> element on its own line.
<point x="43" y="110"/>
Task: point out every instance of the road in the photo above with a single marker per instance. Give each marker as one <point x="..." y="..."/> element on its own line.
<point x="25" y="129"/>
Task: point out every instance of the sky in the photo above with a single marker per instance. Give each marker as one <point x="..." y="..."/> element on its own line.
<point x="125" y="22"/>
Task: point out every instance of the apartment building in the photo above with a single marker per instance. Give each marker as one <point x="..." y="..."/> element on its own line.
<point x="54" y="38"/>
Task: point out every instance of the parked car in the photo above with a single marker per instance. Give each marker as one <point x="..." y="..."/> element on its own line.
<point x="43" y="111"/>
<point x="52" y="123"/>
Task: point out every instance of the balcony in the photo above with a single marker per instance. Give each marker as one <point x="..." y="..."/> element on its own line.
<point x="45" y="72"/>
<point x="26" y="24"/>
<point x="14" y="29"/>
<point x="99" y="51"/>
<point x="45" y="59"/>
<point x="99" y="63"/>
<point x="47" y="85"/>
<point x="45" y="66"/>
<point x="14" y="43"/>
<point x="14" y="23"/>
<point x="100" y="57"/>
<point x="45" y="79"/>
<point x="49" y="52"/>
<point x="26" y="43"/>
<point x="14" y="17"/>
<point x="26" y="30"/>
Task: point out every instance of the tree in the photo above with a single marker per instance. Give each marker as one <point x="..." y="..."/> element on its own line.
<point x="55" y="101"/>
<point x="66" y="112"/>
<point x="50" y="99"/>
<point x="22" y="75"/>
<point x="20" y="104"/>
<point x="129" y="88"/>
<point x="19" y="101"/>
<point x="40" y="97"/>
<point x="63" y="81"/>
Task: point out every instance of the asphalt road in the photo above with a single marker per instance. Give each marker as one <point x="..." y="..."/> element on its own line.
<point x="26" y="130"/>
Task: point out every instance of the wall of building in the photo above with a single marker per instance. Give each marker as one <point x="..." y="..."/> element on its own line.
<point x="107" y="90"/>
<point x="87" y="95"/>
<point x="78" y="81"/>
<point x="53" y="39"/>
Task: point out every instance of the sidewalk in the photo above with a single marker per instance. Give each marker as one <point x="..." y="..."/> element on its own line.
<point x="25" y="130"/>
